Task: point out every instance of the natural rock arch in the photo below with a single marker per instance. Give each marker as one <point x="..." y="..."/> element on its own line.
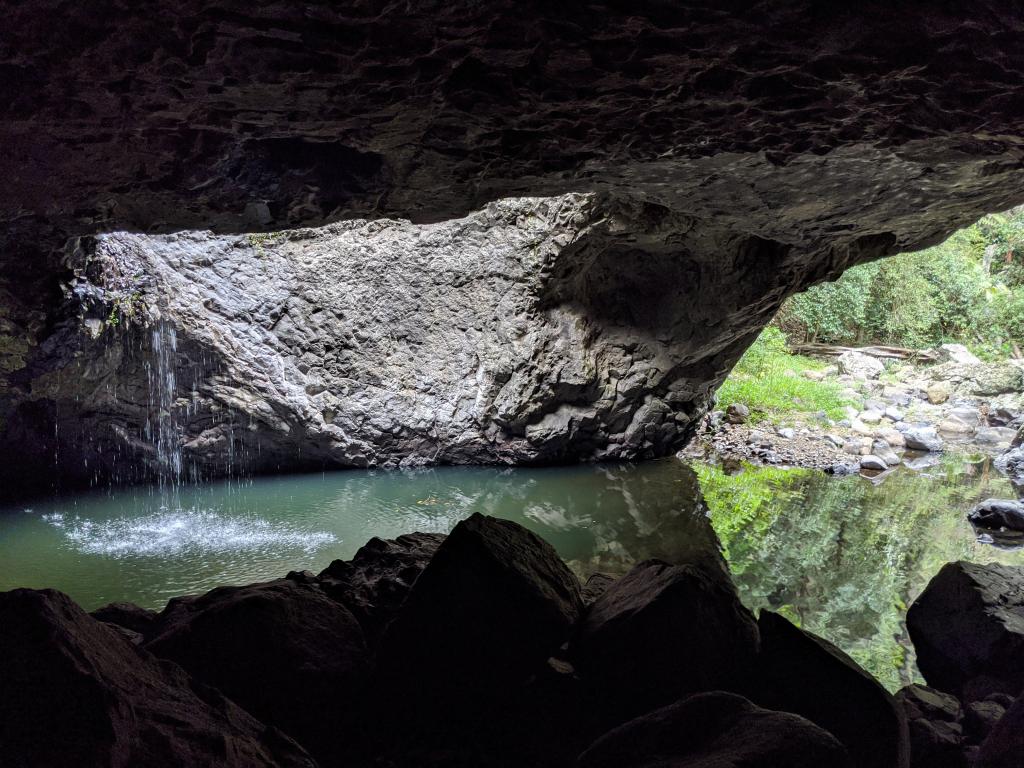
<point x="761" y="147"/>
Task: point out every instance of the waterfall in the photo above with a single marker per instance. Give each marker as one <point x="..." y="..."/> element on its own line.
<point x="163" y="429"/>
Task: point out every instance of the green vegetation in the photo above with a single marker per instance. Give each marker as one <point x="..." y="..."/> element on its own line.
<point x="843" y="557"/>
<point x="125" y="307"/>
<point x="771" y="383"/>
<point x="969" y="290"/>
<point x="259" y="239"/>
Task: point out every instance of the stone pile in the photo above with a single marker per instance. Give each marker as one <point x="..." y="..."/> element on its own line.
<point x="483" y="649"/>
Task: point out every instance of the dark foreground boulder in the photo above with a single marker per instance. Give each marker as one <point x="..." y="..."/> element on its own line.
<point x="980" y="717"/>
<point x="129" y="616"/>
<point x="374" y="583"/>
<point x="493" y="605"/>
<point x="74" y="692"/>
<point x="1004" y="747"/>
<point x="968" y="629"/>
<point x="494" y="592"/>
<point x="934" y="720"/>
<point x="716" y="730"/>
<point x="283" y="650"/>
<point x="664" y="631"/>
<point x="807" y="675"/>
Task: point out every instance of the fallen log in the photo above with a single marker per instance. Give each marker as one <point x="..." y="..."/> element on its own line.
<point x="891" y="353"/>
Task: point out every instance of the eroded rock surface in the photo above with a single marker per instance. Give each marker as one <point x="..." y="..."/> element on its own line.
<point x="537" y="330"/>
<point x="759" y="149"/>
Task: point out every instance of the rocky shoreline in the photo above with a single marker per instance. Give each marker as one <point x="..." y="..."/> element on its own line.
<point x="900" y="414"/>
<point x="482" y="648"/>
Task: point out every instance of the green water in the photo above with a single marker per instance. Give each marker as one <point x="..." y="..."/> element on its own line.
<point x="840" y="556"/>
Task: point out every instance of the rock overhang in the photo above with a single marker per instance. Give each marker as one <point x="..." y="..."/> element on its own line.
<point x="775" y="145"/>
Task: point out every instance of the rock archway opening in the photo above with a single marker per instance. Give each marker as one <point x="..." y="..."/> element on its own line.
<point x="582" y="327"/>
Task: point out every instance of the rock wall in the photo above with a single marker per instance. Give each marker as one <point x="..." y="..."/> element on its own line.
<point x="536" y="330"/>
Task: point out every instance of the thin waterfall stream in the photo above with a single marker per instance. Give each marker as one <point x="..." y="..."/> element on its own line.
<point x="162" y="428"/>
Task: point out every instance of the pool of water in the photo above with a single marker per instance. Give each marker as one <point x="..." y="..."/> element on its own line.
<point x="841" y="556"/>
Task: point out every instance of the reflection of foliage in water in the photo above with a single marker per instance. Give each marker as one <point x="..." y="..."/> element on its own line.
<point x="843" y="557"/>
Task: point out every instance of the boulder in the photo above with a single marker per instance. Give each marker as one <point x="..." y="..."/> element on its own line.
<point x="75" y="693"/>
<point x="881" y="449"/>
<point x="874" y="463"/>
<point x="922" y="439"/>
<point x="918" y="463"/>
<point x="737" y="413"/>
<point x="1011" y="463"/>
<point x="1004" y="746"/>
<point x="597" y="584"/>
<point x="716" y="730"/>
<point x="980" y="379"/>
<point x="954" y="426"/>
<point x="998" y="436"/>
<point x="957" y="353"/>
<point x="980" y="717"/>
<point x="285" y="651"/>
<point x="966" y="414"/>
<point x="998" y="514"/>
<point x="859" y="365"/>
<point x="893" y="437"/>
<point x="938" y="392"/>
<point x="871" y="416"/>
<point x="934" y="721"/>
<point x="861" y="428"/>
<point x="968" y="629"/>
<point x="664" y="631"/>
<point x="897" y="394"/>
<point x="493" y="605"/>
<point x="802" y="673"/>
<point x="375" y="582"/>
<point x="893" y="413"/>
<point x="127" y="615"/>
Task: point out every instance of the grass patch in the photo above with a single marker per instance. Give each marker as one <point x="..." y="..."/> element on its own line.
<point x="770" y="382"/>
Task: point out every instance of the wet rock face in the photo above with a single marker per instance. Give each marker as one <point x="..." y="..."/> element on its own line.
<point x="733" y="157"/>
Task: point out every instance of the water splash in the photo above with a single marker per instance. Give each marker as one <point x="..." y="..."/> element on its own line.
<point x="177" y="532"/>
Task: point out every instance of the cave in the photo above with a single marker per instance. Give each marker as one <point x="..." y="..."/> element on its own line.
<point x="244" y="241"/>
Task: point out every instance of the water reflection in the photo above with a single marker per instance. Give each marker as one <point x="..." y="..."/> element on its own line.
<point x="143" y="546"/>
<point x="840" y="556"/>
<point x="843" y="557"/>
